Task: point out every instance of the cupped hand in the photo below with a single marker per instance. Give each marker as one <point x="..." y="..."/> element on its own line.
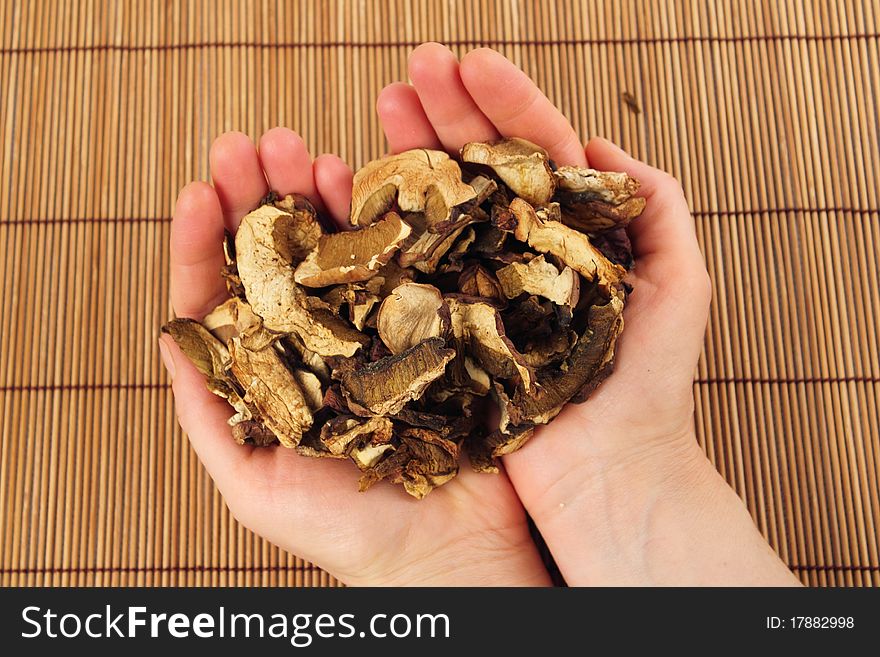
<point x="473" y="532"/>
<point x="618" y="485"/>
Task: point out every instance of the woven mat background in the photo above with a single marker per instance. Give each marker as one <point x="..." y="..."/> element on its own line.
<point x="766" y="111"/>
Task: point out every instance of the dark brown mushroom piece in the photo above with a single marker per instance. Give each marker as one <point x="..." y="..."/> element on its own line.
<point x="483" y="451"/>
<point x="385" y="386"/>
<point x="253" y="432"/>
<point x="591" y="361"/>
<point x="423" y="461"/>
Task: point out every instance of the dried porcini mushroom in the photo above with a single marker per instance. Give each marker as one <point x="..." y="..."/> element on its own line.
<point x="499" y="281"/>
<point x="594" y="201"/>
<point x="273" y="390"/>
<point x="523" y="166"/>
<point x="569" y="245"/>
<point x="385" y="386"/>
<point x="354" y="255"/>
<point x="419" y="180"/>
<point x="412" y="313"/>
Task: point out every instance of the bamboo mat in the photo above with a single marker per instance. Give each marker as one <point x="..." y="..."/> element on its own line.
<point x="766" y="111"/>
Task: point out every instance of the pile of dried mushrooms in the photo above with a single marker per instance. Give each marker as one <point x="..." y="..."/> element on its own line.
<point x="496" y="279"/>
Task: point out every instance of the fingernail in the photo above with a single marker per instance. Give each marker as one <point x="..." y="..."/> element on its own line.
<point x="167" y="358"/>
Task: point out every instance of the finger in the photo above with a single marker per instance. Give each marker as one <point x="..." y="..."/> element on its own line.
<point x="455" y="117"/>
<point x="287" y="163"/>
<point x="404" y="120"/>
<point x="666" y="227"/>
<point x="333" y="181"/>
<point x="517" y="108"/>
<point x="203" y="417"/>
<point x="196" y="251"/>
<point x="237" y="175"/>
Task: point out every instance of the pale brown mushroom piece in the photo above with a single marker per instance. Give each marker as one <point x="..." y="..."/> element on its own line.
<point x="478" y="329"/>
<point x="353" y="255"/>
<point x="419" y="180"/>
<point x="425" y="251"/>
<point x="385" y="386"/>
<point x="235" y="318"/>
<point x="410" y="314"/>
<point x="273" y="390"/>
<point x="358" y="298"/>
<point x="539" y="277"/>
<point x="264" y="244"/>
<point x="594" y="201"/>
<point x="211" y="358"/>
<point x="523" y="166"/>
<point x="572" y="247"/>
<point x="343" y="432"/>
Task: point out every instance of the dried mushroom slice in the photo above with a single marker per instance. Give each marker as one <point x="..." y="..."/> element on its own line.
<point x="615" y="245"/>
<point x="570" y="246"/>
<point x="594" y="201"/>
<point x="211" y="358"/>
<point x="311" y="387"/>
<point x="537" y="276"/>
<point x="478" y="326"/>
<point x="273" y="390"/>
<point x="264" y="245"/>
<point x="385" y="386"/>
<point x="344" y="432"/>
<point x="484" y="450"/>
<point x="456" y="255"/>
<point x="235" y="318"/>
<point x="358" y="298"/>
<point x="297" y="351"/>
<point x="423" y="461"/>
<point x="253" y="432"/>
<point x="477" y="281"/>
<point x="206" y="352"/>
<point x="419" y="180"/>
<point x="426" y="250"/>
<point x="523" y="166"/>
<point x="548" y="349"/>
<point x="591" y="361"/>
<point x="412" y="313"/>
<point x="354" y="255"/>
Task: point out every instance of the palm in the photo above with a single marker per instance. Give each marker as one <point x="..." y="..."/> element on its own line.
<point x="311" y="506"/>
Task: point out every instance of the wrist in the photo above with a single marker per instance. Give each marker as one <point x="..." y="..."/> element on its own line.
<point x="657" y="515"/>
<point x="508" y="558"/>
